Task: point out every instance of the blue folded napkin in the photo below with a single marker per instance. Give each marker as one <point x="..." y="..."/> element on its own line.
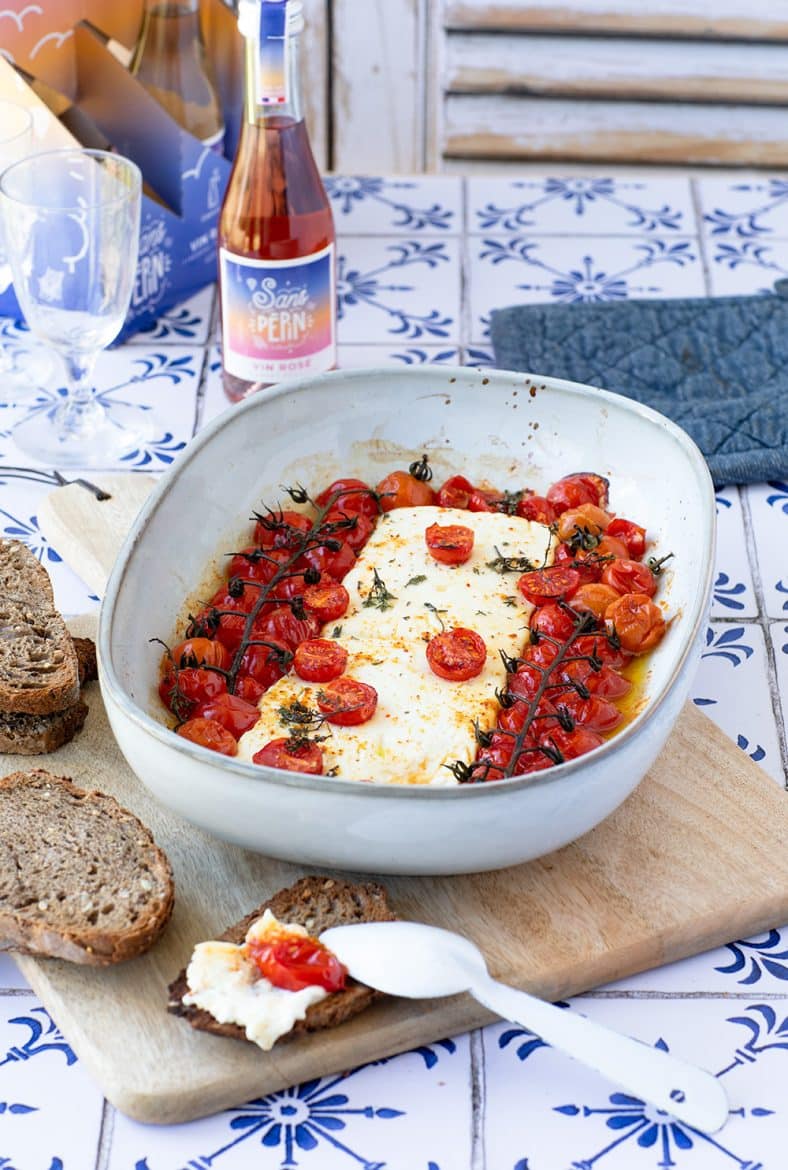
<point x="716" y="366"/>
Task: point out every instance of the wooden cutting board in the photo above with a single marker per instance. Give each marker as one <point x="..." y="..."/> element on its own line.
<point x="697" y="856"/>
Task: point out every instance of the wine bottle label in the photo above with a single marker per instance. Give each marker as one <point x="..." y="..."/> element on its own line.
<point x="271" y="70"/>
<point x="215" y="142"/>
<point x="278" y="317"/>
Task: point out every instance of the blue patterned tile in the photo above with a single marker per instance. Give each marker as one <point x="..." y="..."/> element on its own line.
<point x="424" y="204"/>
<point x="356" y="356"/>
<point x="390" y="1114"/>
<point x="745" y="267"/>
<point x="579" y="204"/>
<point x="522" y="269"/>
<point x="189" y="321"/>
<point x="750" y="208"/>
<point x="734" y="595"/>
<point x="544" y="1112"/>
<point x="769" y="511"/>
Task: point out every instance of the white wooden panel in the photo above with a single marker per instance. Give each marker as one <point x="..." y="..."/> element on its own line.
<point x="377" y="100"/>
<point x="314" y="76"/>
<point x="617" y="67"/>
<point x="748" y="19"/>
<point x="524" y="127"/>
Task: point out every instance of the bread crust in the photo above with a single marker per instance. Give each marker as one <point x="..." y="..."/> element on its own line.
<point x="301" y="904"/>
<point x="23" y="622"/>
<point x="21" y="572"/>
<point x="92" y="946"/>
<point x="35" y="735"/>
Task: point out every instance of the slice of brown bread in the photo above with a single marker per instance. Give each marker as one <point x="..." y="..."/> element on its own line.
<point x="316" y="903"/>
<point x="21" y="573"/>
<point x="39" y="671"/>
<point x="87" y="662"/>
<point x="35" y="735"/>
<point x="81" y="878"/>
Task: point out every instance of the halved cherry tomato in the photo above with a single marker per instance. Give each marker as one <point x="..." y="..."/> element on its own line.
<point x="625" y="576"/>
<point x="543" y="585"/>
<point x="195" y="686"/>
<point x="319" y="660"/>
<point x="347" y="702"/>
<point x="356" y="527"/>
<point x="234" y="713"/>
<point x="283" y="626"/>
<point x="209" y="734"/>
<point x="455" y="492"/>
<point x="536" y="508"/>
<point x="281" y="530"/>
<point x="637" y="621"/>
<point x="449" y="544"/>
<point x="595" y="713"/>
<point x="196" y="652"/>
<point x="293" y="963"/>
<point x="457" y="654"/>
<point x="633" y="536"/>
<point x="249" y="688"/>
<point x="292" y="755"/>
<point x="265" y="664"/>
<point x="336" y="562"/>
<point x="327" y="601"/>
<point x="594" y="598"/>
<point x="600" y="646"/>
<point x="349" y="495"/>
<point x="553" y="620"/>
<point x="587" y="518"/>
<point x="584" y="487"/>
<point x="400" y="489"/>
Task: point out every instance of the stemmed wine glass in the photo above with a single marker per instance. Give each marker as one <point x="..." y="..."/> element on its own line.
<point x="71" y="221"/>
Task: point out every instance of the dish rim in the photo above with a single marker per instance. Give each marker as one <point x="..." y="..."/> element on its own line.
<point x="344" y="787"/>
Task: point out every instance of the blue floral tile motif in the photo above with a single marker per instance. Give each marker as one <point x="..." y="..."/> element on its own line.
<point x="769" y="510"/>
<point x="746" y="267"/>
<point x="43" y="1036"/>
<point x="357" y="356"/>
<point x="566" y="204"/>
<point x="730" y="644"/>
<point x="28" y="532"/>
<point x="188" y="321"/>
<point x="427" y="204"/>
<point x="745" y="211"/>
<point x="755" y="958"/>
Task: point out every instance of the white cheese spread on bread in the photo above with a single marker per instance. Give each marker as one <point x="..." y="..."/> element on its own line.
<point x="226" y="983"/>
<point x="422" y="721"/>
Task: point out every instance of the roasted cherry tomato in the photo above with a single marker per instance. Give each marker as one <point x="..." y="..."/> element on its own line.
<point x="572" y="744"/>
<point x="283" y="626"/>
<point x="594" y="713"/>
<point x="594" y="598"/>
<point x="256" y="564"/>
<point x="585" y="519"/>
<point x="209" y="734"/>
<point x="349" y="495"/>
<point x="553" y="620"/>
<point x="336" y="562"/>
<point x="319" y="660"/>
<point x="633" y="536"/>
<point x="584" y="487"/>
<point x="606" y="682"/>
<point x="238" y="599"/>
<point x="483" y="769"/>
<point x="449" y="544"/>
<point x="196" y="652"/>
<point x="400" y="489"/>
<point x="291" y="755"/>
<point x="234" y="713"/>
<point x="265" y="664"/>
<point x="611" y="546"/>
<point x="601" y="647"/>
<point x="531" y="761"/>
<point x="293" y="963"/>
<point x="541" y="653"/>
<point x="327" y="601"/>
<point x="543" y="585"/>
<point x="536" y="508"/>
<point x="249" y="688"/>
<point x="347" y="702"/>
<point x="457" y="654"/>
<point x="483" y="500"/>
<point x="637" y="621"/>
<point x="195" y="686"/>
<point x="281" y="529"/>
<point x="586" y="563"/>
<point x="356" y="527"/>
<point x="455" y="492"/>
<point x="524" y="684"/>
<point x="625" y="576"/>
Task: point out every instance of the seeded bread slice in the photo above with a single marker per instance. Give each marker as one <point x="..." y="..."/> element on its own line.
<point x="35" y="735"/>
<point x="39" y="671"/>
<point x="87" y="663"/>
<point x="316" y="903"/>
<point x="81" y="878"/>
<point x="22" y="574"/>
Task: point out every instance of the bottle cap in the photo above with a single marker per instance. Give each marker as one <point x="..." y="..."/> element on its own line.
<point x="249" y="16"/>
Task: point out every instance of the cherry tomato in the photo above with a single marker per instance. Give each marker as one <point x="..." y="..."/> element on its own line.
<point x="357" y="527"/>
<point x="265" y="664"/>
<point x="337" y="563"/>
<point x="554" y="621"/>
<point x="209" y="734"/>
<point x="457" y="654"/>
<point x="327" y="601"/>
<point x="611" y="546"/>
<point x="291" y="755"/>
<point x="587" y="518"/>
<point x="543" y="585"/>
<point x="254" y="564"/>
<point x="513" y="718"/>
<point x="572" y="744"/>
<point x="347" y="702"/>
<point x="483" y="769"/>
<point x="232" y="625"/>
<point x="319" y="660"/>
<point x="349" y="495"/>
<point x="594" y="713"/>
<point x="600" y="646"/>
<point x="584" y="487"/>
<point x="483" y="500"/>
<point x="449" y="544"/>
<point x="195" y="687"/>
<point x="282" y="626"/>
<point x="541" y="653"/>
<point x="234" y="713"/>
<point x="607" y="683"/>
<point x="196" y="652"/>
<point x="633" y="536"/>
<point x="624" y="576"/>
<point x="531" y="761"/>
<point x="249" y="688"/>
<point x="281" y="530"/>
<point x="594" y="598"/>
<point x="241" y="600"/>
<point x="637" y="621"/>
<point x="293" y="962"/>
<point x="587" y="564"/>
<point x="524" y="684"/>
<point x="455" y="492"/>
<point x="400" y="489"/>
<point x="536" y="508"/>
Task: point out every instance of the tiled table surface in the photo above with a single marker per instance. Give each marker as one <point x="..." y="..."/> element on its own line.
<point x="422" y="263"/>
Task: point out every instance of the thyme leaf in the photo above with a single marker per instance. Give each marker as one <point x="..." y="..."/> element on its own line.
<point x="419" y="579"/>
<point x="378" y="596"/>
<point x="502" y="564"/>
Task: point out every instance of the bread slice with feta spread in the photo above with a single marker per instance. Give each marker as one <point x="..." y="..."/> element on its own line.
<point x="314" y="903"/>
